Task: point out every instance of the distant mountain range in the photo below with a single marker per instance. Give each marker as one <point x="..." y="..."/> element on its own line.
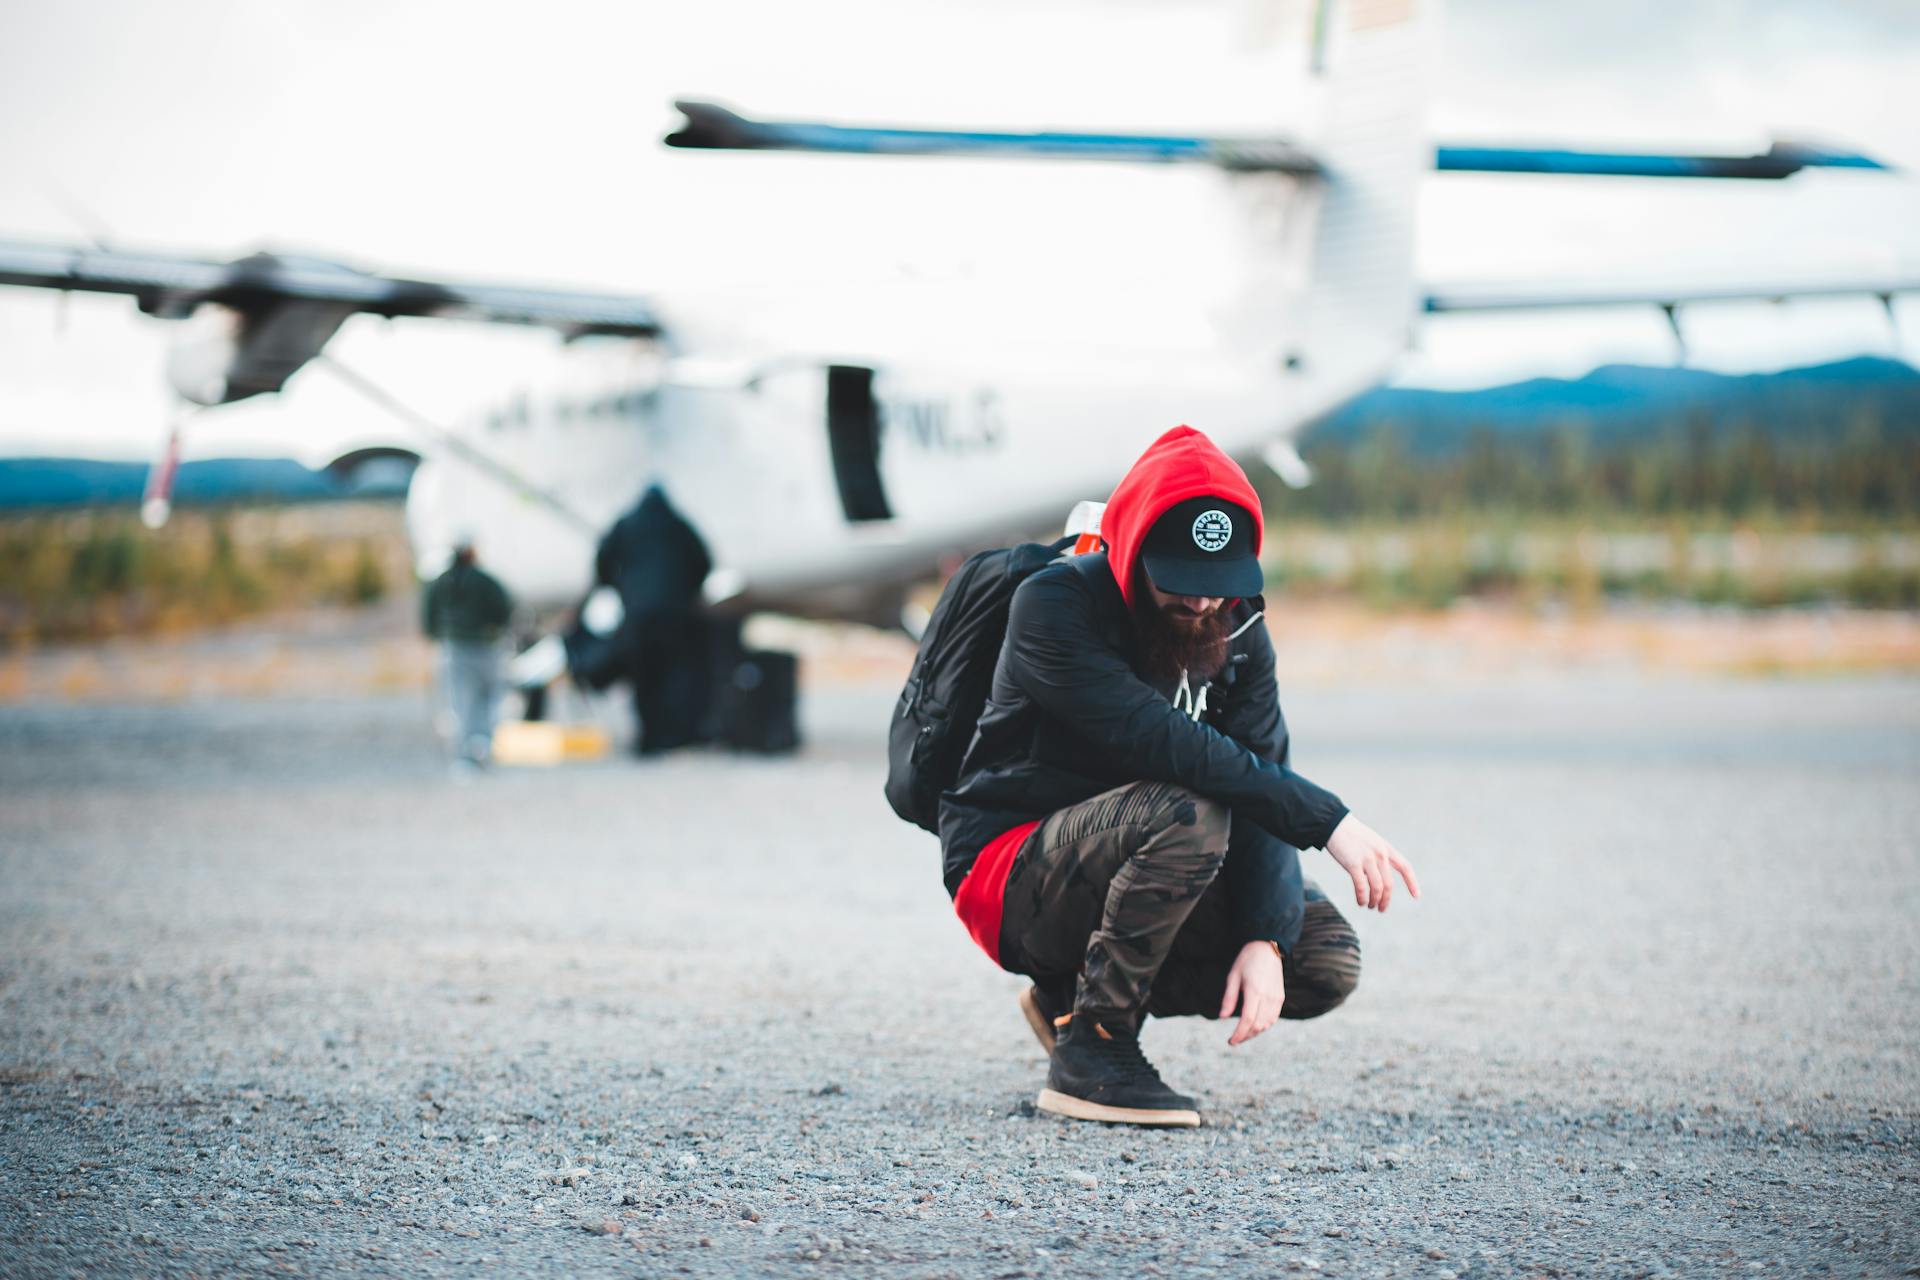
<point x="1623" y="402"/>
<point x="1619" y="402"/>
<point x="71" y="482"/>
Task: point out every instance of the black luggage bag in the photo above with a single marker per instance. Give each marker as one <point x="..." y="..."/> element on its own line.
<point x="756" y="701"/>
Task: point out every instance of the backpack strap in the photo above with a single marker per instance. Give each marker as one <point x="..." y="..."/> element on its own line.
<point x="1092" y="565"/>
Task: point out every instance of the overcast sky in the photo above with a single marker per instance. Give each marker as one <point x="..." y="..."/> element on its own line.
<point x="515" y="143"/>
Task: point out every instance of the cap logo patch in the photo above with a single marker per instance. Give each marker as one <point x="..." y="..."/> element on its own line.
<point x="1212" y="530"/>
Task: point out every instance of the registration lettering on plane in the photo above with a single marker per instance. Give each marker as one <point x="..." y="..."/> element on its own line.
<point x="938" y="424"/>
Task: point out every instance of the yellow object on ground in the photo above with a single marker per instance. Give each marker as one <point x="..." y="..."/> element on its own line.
<point x="538" y="742"/>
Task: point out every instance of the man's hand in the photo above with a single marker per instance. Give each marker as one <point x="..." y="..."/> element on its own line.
<point x="1370" y="860"/>
<point x="1257" y="984"/>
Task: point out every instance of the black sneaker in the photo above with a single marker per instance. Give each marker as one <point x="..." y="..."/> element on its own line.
<point x="1099" y="1073"/>
<point x="1047" y="1011"/>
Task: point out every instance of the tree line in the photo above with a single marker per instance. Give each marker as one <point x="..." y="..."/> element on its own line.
<point x="1864" y="467"/>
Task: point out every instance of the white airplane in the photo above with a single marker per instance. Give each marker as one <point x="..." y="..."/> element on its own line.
<point x="834" y="450"/>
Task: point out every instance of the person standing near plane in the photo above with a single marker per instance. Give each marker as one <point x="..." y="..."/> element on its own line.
<point x="657" y="562"/>
<point x="466" y="610"/>
<point x="1126" y="828"/>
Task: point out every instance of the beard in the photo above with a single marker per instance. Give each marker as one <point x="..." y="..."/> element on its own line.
<point x="1172" y="643"/>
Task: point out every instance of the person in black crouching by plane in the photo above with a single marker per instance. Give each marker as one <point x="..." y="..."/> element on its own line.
<point x="1125" y="828"/>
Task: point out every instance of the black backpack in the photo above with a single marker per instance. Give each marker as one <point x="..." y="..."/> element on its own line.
<point x="935" y="716"/>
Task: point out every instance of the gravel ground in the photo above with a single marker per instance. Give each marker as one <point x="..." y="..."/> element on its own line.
<point x="276" y="995"/>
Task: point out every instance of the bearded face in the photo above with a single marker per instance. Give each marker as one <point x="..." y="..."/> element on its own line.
<point x="1179" y="634"/>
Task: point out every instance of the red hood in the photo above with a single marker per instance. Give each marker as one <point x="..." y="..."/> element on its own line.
<point x="1181" y="464"/>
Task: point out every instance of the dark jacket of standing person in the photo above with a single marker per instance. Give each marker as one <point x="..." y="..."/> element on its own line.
<point x="466" y="603"/>
<point x="654" y="559"/>
<point x="658" y="564"/>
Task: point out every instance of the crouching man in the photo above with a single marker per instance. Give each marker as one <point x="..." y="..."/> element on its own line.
<point x="1125" y="828"/>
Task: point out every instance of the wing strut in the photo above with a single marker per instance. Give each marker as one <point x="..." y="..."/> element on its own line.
<point x="457" y="444"/>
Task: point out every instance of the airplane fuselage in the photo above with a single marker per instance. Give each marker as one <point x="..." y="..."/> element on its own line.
<point x="963" y="455"/>
<point x="842" y="441"/>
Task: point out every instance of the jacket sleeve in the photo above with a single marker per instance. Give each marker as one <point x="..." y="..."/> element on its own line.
<point x="1261" y="874"/>
<point x="1266" y="892"/>
<point x="430" y="609"/>
<point x="1056" y="654"/>
<point x="499" y="603"/>
<point x="606" y="557"/>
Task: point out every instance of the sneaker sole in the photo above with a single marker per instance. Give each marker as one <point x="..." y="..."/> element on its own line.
<point x="1053" y="1102"/>
<point x="1038" y="1020"/>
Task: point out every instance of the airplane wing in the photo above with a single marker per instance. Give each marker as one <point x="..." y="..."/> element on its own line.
<point x="171" y="287"/>
<point x="277" y="312"/>
<point x="1506" y="297"/>
<point x="1459" y="299"/>
<point x="273" y="314"/>
<point x="1780" y="160"/>
<point x="709" y="126"/>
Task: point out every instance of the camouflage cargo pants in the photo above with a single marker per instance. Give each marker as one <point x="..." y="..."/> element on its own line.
<point x="1119" y="892"/>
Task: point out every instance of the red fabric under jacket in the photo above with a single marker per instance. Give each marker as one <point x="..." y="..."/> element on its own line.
<point x="1181" y="464"/>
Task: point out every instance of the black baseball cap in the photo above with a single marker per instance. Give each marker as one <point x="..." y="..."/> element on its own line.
<point x="1203" y="547"/>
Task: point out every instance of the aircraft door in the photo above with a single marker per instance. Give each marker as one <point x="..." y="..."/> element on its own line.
<point x="853" y="435"/>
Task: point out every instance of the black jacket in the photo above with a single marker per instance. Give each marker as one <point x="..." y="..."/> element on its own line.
<point x="656" y="562"/>
<point x="654" y="559"/>
<point x="1070" y="716"/>
<point x="465" y="603"/>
